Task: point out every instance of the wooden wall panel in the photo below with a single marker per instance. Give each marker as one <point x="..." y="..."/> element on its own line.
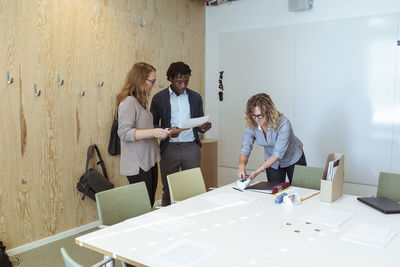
<point x="9" y="106"/>
<point x="44" y="138"/>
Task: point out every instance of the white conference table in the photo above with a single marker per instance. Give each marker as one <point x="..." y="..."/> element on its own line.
<point x="254" y="232"/>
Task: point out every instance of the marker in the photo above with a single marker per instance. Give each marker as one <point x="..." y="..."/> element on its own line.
<point x="279" y="199"/>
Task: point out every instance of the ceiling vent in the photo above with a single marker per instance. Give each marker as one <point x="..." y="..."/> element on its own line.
<point x="300" y="5"/>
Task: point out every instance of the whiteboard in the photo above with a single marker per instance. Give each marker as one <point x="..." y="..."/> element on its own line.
<point x="337" y="82"/>
<point x="252" y="62"/>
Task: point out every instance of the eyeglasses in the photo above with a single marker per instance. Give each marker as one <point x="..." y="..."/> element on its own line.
<point x="152" y="81"/>
<point x="258" y="116"/>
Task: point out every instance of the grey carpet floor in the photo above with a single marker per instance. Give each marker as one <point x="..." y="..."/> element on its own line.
<point x="50" y="255"/>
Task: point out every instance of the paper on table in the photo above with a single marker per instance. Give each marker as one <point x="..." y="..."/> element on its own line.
<point x="191" y="123"/>
<point x="228" y="199"/>
<point x="181" y="253"/>
<point x="161" y="222"/>
<point x="369" y="235"/>
<point x="328" y="216"/>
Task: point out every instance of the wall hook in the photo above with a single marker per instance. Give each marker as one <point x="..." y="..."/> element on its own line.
<point x="59" y="82"/>
<point x="81" y="92"/>
<point x="142" y="22"/>
<point x="99" y="83"/>
<point x="9" y="79"/>
<point x="90" y="141"/>
<point x="35" y="91"/>
<point x="116" y="91"/>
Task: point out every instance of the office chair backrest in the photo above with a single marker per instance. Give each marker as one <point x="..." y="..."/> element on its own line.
<point x="121" y="203"/>
<point x="185" y="184"/>
<point x="389" y="186"/>
<point x="69" y="262"/>
<point x="307" y="177"/>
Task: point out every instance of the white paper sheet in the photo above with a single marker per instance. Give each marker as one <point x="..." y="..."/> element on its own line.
<point x="162" y="222"/>
<point x="181" y="253"/>
<point x="328" y="216"/>
<point x="191" y="123"/>
<point x="369" y="235"/>
<point x="228" y="199"/>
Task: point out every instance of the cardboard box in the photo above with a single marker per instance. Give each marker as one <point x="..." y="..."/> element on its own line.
<point x="333" y="179"/>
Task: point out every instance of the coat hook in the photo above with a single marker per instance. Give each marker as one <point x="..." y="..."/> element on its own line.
<point x="116" y="91"/>
<point x="142" y="22"/>
<point x="81" y="92"/>
<point x="99" y="83"/>
<point x="9" y="80"/>
<point x="60" y="83"/>
<point x="90" y="141"/>
<point x="35" y="91"/>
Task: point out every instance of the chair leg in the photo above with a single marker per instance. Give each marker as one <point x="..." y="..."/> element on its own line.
<point x="109" y="264"/>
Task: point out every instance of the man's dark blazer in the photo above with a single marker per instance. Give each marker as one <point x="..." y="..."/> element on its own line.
<point x="161" y="110"/>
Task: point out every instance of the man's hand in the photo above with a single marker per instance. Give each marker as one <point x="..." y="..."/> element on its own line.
<point x="205" y="126"/>
<point x="174" y="131"/>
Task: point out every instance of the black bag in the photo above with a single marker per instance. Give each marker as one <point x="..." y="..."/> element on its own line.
<point x="114" y="145"/>
<point x="92" y="181"/>
<point x="4" y="259"/>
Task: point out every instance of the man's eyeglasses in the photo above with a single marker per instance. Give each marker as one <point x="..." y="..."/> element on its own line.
<point x="152" y="81"/>
<point x="258" y="116"/>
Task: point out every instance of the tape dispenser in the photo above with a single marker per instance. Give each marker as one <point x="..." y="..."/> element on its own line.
<point x="292" y="199"/>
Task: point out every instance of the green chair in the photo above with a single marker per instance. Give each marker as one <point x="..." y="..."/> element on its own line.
<point x="69" y="262"/>
<point x="389" y="186"/>
<point x="121" y="203"/>
<point x="307" y="177"/>
<point x="185" y="184"/>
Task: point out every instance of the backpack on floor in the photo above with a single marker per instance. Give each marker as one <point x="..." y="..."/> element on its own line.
<point x="4" y="259"/>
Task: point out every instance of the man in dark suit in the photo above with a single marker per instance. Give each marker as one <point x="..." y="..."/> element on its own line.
<point x="171" y="108"/>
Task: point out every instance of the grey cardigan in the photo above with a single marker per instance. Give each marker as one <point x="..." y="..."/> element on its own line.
<point x="135" y="154"/>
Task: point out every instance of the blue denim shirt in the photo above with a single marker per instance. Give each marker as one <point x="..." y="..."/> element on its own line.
<point x="281" y="143"/>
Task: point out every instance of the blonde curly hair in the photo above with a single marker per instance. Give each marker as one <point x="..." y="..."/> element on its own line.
<point x="264" y="102"/>
<point x="134" y="83"/>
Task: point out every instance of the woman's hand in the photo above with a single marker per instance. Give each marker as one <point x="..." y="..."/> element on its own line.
<point x="160" y="133"/>
<point x="255" y="173"/>
<point x="268" y="163"/>
<point x="241" y="172"/>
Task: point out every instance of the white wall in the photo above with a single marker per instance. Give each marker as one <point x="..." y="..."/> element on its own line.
<point x="253" y="14"/>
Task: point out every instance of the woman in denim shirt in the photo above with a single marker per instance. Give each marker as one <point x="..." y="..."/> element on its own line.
<point x="272" y="130"/>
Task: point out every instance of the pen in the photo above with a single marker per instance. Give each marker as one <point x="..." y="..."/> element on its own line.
<point x="309" y="196"/>
<point x="237" y="189"/>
